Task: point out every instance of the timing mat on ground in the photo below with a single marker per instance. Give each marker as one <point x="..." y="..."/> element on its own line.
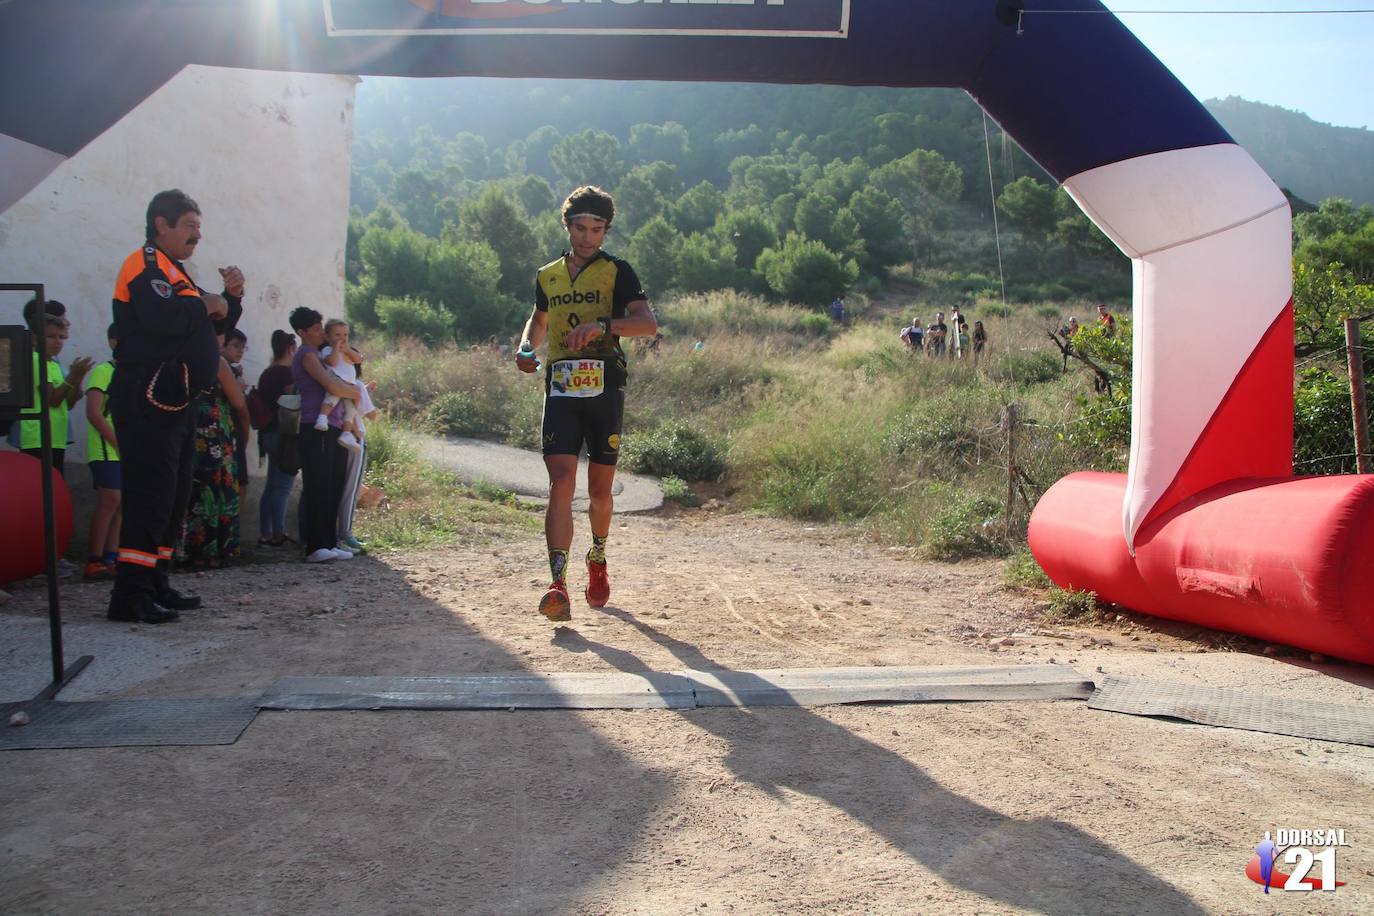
<point x="681" y="689"/>
<point x="1226" y="707"/>
<point x="127" y="723"/>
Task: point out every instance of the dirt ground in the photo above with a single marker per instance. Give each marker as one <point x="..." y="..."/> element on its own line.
<point x="1045" y="807"/>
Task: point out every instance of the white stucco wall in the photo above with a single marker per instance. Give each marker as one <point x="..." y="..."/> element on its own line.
<point x="265" y="155"/>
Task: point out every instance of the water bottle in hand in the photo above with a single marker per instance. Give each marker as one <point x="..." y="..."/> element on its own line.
<point x="527" y="351"/>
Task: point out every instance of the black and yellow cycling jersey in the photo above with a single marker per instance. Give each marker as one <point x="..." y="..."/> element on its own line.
<point x="602" y="289"/>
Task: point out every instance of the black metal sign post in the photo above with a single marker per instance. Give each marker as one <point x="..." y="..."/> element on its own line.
<point x="61" y="674"/>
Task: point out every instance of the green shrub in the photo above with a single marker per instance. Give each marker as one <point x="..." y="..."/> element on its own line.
<point x="995" y="310"/>
<point x="676" y="490"/>
<point x="1048" y="312"/>
<point x="1024" y="572"/>
<point x="1323" y="439"/>
<point x="814" y="325"/>
<point x="1070" y="604"/>
<point x="463" y="413"/>
<point x="969" y="526"/>
<point x="805" y="271"/>
<point x="674" y="450"/>
<point x="1028" y="367"/>
<point x="723" y="312"/>
<point x="407" y="317"/>
<point x="390" y="455"/>
<point x="948" y="434"/>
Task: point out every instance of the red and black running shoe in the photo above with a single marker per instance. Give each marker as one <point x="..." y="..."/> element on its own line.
<point x="555" y="604"/>
<point x="598" y="584"/>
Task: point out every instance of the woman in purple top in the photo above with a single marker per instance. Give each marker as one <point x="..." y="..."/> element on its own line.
<point x="323" y="462"/>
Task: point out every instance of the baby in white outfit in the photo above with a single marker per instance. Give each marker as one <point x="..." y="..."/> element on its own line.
<point x="343" y="361"/>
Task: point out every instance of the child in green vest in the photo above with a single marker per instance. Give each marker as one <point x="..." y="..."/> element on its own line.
<point x="63" y="393"/>
<point x="102" y="457"/>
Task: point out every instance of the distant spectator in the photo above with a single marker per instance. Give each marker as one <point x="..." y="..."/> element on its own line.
<point x="1105" y="319"/>
<point x="913" y="335"/>
<point x="276" y="492"/>
<point x="235" y="345"/>
<point x="699" y="344"/>
<point x="936" y="334"/>
<point x="980" y="341"/>
<point x="837" y="310"/>
<point x="63" y="393"/>
<point x="102" y="458"/>
<point x="958" y="342"/>
<point x="1072" y="327"/>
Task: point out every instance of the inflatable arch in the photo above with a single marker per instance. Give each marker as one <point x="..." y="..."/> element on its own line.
<point x="1208" y="524"/>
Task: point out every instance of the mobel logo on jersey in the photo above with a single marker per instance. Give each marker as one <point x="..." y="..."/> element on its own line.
<point x="776" y="18"/>
<point x="576" y="298"/>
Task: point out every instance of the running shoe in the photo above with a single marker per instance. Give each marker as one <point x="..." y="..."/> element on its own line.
<point x="96" y="571"/>
<point x="555" y="604"/>
<point x="598" y="584"/>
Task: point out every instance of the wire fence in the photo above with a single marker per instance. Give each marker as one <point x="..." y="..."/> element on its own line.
<point x="1034" y="453"/>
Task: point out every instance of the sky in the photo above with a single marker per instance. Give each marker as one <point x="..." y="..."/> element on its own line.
<point x="1319" y="64"/>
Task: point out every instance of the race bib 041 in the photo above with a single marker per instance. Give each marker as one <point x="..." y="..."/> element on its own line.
<point x="577" y="378"/>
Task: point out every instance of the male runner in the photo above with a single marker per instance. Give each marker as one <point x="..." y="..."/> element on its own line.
<point x="584" y="302"/>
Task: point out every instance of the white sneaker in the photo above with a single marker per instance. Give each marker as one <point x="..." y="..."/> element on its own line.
<point x="322" y="421"/>
<point x="323" y="555"/>
<point x="345" y="548"/>
<point x="350" y="442"/>
<point x="340" y="554"/>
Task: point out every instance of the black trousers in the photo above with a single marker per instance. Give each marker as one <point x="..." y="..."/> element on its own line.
<point x="324" y="466"/>
<point x="157" y="449"/>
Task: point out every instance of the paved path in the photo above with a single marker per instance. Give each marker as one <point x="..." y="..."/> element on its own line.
<point x="523" y="472"/>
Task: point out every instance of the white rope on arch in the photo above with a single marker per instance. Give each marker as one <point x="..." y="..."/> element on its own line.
<point x="992" y="190"/>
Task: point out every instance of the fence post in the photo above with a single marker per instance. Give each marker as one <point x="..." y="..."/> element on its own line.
<point x="1354" y="354"/>
<point x="1011" y="465"/>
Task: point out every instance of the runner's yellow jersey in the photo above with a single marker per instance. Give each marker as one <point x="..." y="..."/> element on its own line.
<point x="602" y="289"/>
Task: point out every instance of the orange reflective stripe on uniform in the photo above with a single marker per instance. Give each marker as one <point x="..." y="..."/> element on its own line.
<point x="137" y="557"/>
<point x="139" y="261"/>
<point x="164" y="553"/>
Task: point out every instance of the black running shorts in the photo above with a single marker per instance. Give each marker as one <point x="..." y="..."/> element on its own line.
<point x="568" y="422"/>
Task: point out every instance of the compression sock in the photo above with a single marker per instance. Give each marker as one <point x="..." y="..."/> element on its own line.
<point x="597" y="553"/>
<point x="558" y="563"/>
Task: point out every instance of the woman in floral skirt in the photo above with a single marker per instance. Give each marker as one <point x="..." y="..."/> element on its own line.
<point x="210" y="533"/>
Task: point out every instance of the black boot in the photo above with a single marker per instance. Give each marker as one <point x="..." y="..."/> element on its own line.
<point x="176" y="601"/>
<point x="169" y="597"/>
<point x="138" y="607"/>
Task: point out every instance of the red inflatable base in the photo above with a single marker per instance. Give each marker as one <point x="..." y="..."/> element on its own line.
<point x="21" y="508"/>
<point x="1287" y="560"/>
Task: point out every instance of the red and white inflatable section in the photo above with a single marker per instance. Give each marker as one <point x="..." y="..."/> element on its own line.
<point x="1208" y="524"/>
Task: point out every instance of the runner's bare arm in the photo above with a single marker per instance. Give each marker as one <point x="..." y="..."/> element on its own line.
<point x="536" y="330"/>
<point x="640" y="322"/>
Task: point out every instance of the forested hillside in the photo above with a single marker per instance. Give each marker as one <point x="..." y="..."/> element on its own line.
<point x="1313" y="160"/>
<point x="793" y="193"/>
<point x="796" y="193"/>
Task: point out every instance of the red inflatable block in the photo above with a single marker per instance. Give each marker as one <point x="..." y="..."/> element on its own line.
<point x="1285" y="559"/>
<point x="21" y="509"/>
